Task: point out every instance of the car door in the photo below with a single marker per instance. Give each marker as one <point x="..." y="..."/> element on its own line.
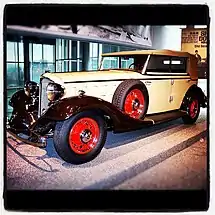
<point x="180" y="81"/>
<point x="158" y="84"/>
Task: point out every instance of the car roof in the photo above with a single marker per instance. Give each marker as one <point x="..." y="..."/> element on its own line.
<point x="151" y="52"/>
<point x="165" y="52"/>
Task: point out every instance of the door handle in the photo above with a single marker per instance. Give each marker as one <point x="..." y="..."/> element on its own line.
<point x="148" y="82"/>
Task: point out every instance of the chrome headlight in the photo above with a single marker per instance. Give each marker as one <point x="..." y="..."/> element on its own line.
<point x="54" y="91"/>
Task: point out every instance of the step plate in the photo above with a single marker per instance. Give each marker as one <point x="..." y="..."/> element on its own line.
<point x="163" y="117"/>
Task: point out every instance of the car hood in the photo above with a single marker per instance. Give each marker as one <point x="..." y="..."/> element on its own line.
<point x="69" y="77"/>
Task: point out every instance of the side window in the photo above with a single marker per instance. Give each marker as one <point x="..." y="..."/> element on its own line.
<point x="178" y="64"/>
<point x="158" y="64"/>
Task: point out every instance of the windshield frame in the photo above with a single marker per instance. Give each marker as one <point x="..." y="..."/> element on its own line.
<point x="119" y="68"/>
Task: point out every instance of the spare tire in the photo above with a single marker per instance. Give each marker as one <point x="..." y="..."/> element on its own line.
<point x="131" y="97"/>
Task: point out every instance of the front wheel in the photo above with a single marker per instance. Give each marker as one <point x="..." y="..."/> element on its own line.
<point x="81" y="138"/>
<point x="192" y="106"/>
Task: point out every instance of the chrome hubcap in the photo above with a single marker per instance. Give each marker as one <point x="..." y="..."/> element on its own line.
<point x="136" y="104"/>
<point x="86" y="136"/>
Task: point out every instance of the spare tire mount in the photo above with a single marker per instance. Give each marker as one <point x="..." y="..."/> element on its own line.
<point x="131" y="97"/>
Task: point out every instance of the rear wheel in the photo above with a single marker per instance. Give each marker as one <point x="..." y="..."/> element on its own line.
<point x="81" y="138"/>
<point x="192" y="106"/>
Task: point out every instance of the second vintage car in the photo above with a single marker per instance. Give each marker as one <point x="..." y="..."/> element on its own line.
<point x="130" y="90"/>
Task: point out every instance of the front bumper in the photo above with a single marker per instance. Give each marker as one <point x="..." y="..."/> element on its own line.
<point x="36" y="134"/>
<point x="37" y="141"/>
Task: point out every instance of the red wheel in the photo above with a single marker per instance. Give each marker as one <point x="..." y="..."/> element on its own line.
<point x="84" y="135"/>
<point x="193" y="109"/>
<point x="134" y="103"/>
<point x="80" y="138"/>
<point x="131" y="97"/>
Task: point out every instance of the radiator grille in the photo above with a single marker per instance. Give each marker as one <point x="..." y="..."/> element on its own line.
<point x="43" y="103"/>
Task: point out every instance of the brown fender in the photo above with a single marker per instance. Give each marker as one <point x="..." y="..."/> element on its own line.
<point x="198" y="91"/>
<point x="68" y="107"/>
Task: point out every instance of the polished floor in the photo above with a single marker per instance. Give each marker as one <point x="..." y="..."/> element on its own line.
<point x="167" y="156"/>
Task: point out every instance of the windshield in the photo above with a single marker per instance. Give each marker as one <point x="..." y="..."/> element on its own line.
<point x="123" y="62"/>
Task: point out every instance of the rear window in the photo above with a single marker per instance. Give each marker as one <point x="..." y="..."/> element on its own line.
<point x="158" y="64"/>
<point x="178" y="65"/>
<point x="164" y="64"/>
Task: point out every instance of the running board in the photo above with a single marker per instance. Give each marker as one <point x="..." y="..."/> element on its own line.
<point x="164" y="117"/>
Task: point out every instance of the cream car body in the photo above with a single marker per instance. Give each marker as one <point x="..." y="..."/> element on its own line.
<point x="166" y="90"/>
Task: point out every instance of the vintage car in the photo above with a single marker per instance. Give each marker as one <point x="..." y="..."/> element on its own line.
<point x="131" y="90"/>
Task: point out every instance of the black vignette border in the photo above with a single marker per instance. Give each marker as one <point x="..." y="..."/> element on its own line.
<point x="43" y="14"/>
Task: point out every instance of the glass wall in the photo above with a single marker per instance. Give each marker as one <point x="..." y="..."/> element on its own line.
<point x="42" y="58"/>
<point x="69" y="55"/>
<point x="15" y="69"/>
<point x="95" y="51"/>
<point x="113" y="61"/>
